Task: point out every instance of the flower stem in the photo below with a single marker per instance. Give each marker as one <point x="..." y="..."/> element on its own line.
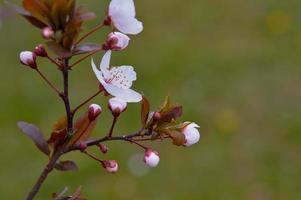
<point x="86" y="101"/>
<point x="48" y="81"/>
<point x="84" y="57"/>
<point x="112" y="127"/>
<point x="96" y="28"/>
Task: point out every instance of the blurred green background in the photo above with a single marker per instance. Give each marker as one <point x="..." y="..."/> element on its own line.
<point x="235" y="67"/>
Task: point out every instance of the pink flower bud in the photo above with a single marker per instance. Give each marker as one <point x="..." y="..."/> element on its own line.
<point x="82" y="146"/>
<point x="28" y="58"/>
<point x="94" y="111"/>
<point x="117" y="106"/>
<point x="103" y="148"/>
<point x="191" y="133"/>
<point x="110" y="165"/>
<point x="40" y="51"/>
<point x="151" y="158"/>
<point x="116" y="41"/>
<point x="47" y="33"/>
<point x="156" y="116"/>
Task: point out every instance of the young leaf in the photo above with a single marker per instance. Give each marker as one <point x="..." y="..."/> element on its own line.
<point x="35" y="134"/>
<point x="85" y="48"/>
<point x="83" y="128"/>
<point x="67" y="165"/>
<point x="144" y="110"/>
<point x="177" y="137"/>
<point x="172" y="114"/>
<point x="21" y="11"/>
<point x="38" y="10"/>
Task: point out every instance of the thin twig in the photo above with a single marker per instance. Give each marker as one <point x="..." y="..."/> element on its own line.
<point x="89" y="33"/>
<point x="112" y="126"/>
<point x="55" y="62"/>
<point x="48" y="81"/>
<point x="84" y="57"/>
<point x="86" y="101"/>
<point x="49" y="167"/>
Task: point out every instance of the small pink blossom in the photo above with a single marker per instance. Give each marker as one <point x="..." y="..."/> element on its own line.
<point x="191" y="133"/>
<point x="94" y="111"/>
<point x="116" y="41"/>
<point x="28" y="58"/>
<point x="110" y="165"/>
<point x="117" y="105"/>
<point x="151" y="158"/>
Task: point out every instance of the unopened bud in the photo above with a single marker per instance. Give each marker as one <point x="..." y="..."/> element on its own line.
<point x="40" y="51"/>
<point x="151" y="158"/>
<point x="156" y="116"/>
<point x="103" y="148"/>
<point x="82" y="146"/>
<point x="28" y="58"/>
<point x="94" y="111"/>
<point x="110" y="165"/>
<point x="47" y="33"/>
<point x="192" y="134"/>
<point x="116" y="41"/>
<point x="117" y="106"/>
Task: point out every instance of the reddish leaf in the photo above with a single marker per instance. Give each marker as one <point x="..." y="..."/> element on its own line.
<point x="177" y="137"/>
<point x="21" y="11"/>
<point x="38" y="10"/>
<point x="66" y="166"/>
<point x="83" y="128"/>
<point x="86" y="48"/>
<point x="171" y="114"/>
<point x="36" y="135"/>
<point x="145" y="107"/>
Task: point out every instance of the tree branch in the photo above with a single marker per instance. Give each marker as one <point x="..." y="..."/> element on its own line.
<point x="49" y="167"/>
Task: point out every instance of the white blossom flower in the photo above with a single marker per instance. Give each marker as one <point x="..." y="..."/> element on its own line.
<point x="151" y="158"/>
<point x="117" y="81"/>
<point x="122" y="14"/>
<point x="192" y="135"/>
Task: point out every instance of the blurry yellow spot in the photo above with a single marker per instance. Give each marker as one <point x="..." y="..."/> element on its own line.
<point x="227" y="121"/>
<point x="279" y="22"/>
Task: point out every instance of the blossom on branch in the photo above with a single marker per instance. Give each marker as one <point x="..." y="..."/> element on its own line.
<point x="116" y="41"/>
<point x="122" y="16"/>
<point x="151" y="158"/>
<point x="191" y="133"/>
<point x="117" y="81"/>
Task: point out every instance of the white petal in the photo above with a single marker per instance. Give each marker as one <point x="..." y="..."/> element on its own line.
<point x="128" y="25"/>
<point x="192" y="135"/>
<point x="122" y="8"/>
<point x="127" y="95"/>
<point x="97" y="72"/>
<point x="122" y="76"/>
<point x="105" y="64"/>
<point x="122" y="13"/>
